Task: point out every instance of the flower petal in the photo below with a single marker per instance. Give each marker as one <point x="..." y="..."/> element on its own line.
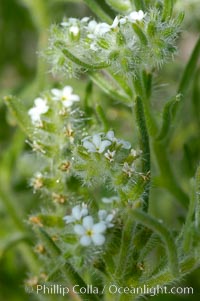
<point x="69" y="219"/>
<point x="76" y="212"/>
<point x="103" y="145"/>
<point x="89" y="146"/>
<point x="67" y="90"/>
<point x="88" y="222"/>
<point x="96" y="139"/>
<point x="78" y="229"/>
<point x="99" y="227"/>
<point x="74" y="97"/>
<point x="85" y="240"/>
<point x="56" y="92"/>
<point x="98" y="239"/>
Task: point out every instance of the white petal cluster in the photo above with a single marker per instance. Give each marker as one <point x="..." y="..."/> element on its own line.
<point x="84" y="226"/>
<point x="78" y="212"/>
<point x="65" y="95"/>
<point x="40" y="108"/>
<point x="128" y="169"/>
<point x="106" y="218"/>
<point x="111" y="136"/>
<point x="95" y="144"/>
<point x="133" y="17"/>
<point x="110" y="155"/>
<point x="90" y="232"/>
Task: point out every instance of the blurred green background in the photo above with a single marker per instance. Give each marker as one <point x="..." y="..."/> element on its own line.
<point x="23" y="72"/>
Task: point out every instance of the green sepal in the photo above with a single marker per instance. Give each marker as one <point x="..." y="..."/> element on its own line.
<point x="19" y="111"/>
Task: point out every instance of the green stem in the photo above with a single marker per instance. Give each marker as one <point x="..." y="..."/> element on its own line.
<point x="144" y="137"/>
<point x="165" y="235"/>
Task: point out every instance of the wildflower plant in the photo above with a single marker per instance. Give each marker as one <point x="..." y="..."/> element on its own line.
<point x="96" y="226"/>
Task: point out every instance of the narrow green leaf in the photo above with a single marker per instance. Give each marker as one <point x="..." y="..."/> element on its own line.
<point x="140" y="34"/>
<point x="50" y="245"/>
<point x="197" y="198"/>
<point x="19" y="111"/>
<point x="196" y="97"/>
<point x="165" y="235"/>
<point x="97" y="10"/>
<point x="167" y="9"/>
<point x="126" y="244"/>
<point x="167" y="117"/>
<point x="139" y="4"/>
<point x="168" y="179"/>
<point x="9" y="242"/>
<point x="113" y="91"/>
<point x="120" y="5"/>
<point x="79" y="62"/>
<point x="190" y="68"/>
<point x="102" y="117"/>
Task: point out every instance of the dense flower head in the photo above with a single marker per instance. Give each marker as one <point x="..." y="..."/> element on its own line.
<point x="138" y="38"/>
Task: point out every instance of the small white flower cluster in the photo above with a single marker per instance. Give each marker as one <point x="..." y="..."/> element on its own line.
<point x="96" y="144"/>
<point x="65" y="96"/>
<point x="73" y="25"/>
<point x="39" y="109"/>
<point x="84" y="226"/>
<point x="98" y="30"/>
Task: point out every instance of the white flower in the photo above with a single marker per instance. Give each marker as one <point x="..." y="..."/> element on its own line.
<point x="77" y="213"/>
<point x="65" y="95"/>
<point x="96" y="145"/>
<point x="97" y="29"/>
<point x="129" y="170"/>
<point x="136" y="16"/>
<point x="115" y="23"/>
<point x="90" y="232"/>
<point x="110" y="200"/>
<point x="39" y="109"/>
<point x="110" y="155"/>
<point x="135" y="153"/>
<point x="74" y="30"/>
<point x="111" y="136"/>
<point x="133" y="17"/>
<point x="106" y="218"/>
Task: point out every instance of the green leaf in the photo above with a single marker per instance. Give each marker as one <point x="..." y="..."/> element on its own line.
<point x="167" y="9"/>
<point x="139" y="4"/>
<point x="197" y="198"/>
<point x="190" y="68"/>
<point x="120" y="5"/>
<point x="98" y="10"/>
<point x="114" y="91"/>
<point x="79" y="62"/>
<point x="153" y="224"/>
<point x="19" y="111"/>
<point x="140" y="34"/>
<point x="11" y="241"/>
<point x="167" y="117"/>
